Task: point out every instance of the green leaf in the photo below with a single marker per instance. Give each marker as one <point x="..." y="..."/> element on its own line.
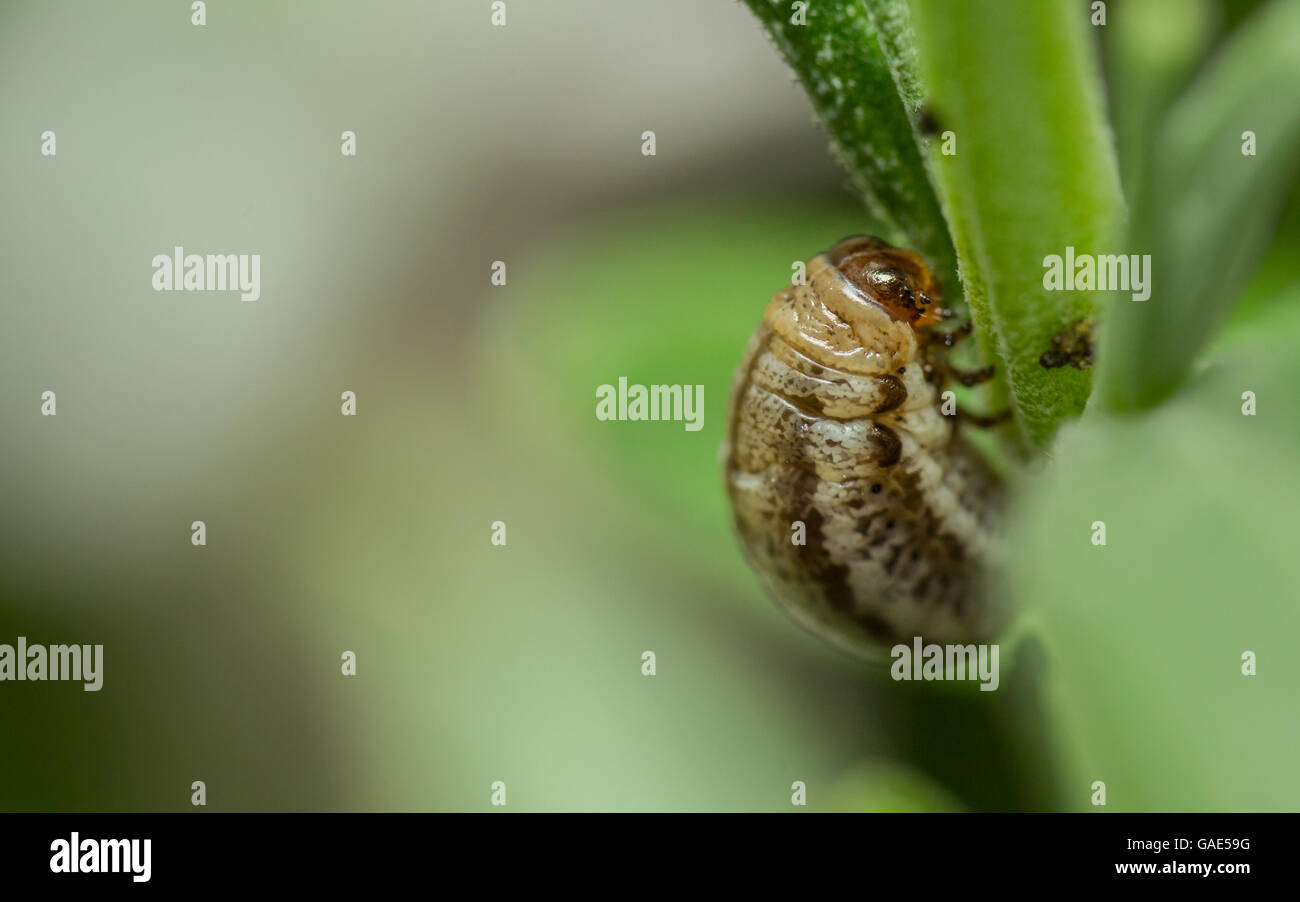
<point x="1278" y="271"/>
<point x="887" y="787"/>
<point x="1151" y="48"/>
<point x="1206" y="209"/>
<point x="837" y="58"/>
<point x="1034" y="172"/>
<point x="1146" y="634"/>
<point x="893" y="21"/>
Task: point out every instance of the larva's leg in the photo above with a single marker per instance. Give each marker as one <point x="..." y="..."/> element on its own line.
<point x="969" y="378"/>
<point x="984" y="421"/>
<point x="952" y="336"/>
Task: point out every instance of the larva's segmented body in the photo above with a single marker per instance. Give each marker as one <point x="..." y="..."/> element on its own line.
<point x="835" y="423"/>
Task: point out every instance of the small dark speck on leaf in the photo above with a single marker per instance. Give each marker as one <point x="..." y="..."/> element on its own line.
<point x="927" y="122"/>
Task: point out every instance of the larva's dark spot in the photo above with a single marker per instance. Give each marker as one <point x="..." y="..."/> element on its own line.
<point x="956" y="553"/>
<point x="875" y="489"/>
<point x="889" y="447"/>
<point x="839" y="595"/>
<point x="892" y="393"/>
<point x="876" y="626"/>
<point x="891" y="562"/>
<point x="817" y="564"/>
<point x="808" y="405"/>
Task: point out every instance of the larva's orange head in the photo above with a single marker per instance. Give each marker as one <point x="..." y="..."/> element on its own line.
<point x="896" y="280"/>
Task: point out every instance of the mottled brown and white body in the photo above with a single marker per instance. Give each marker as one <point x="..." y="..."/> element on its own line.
<point x="835" y="423"/>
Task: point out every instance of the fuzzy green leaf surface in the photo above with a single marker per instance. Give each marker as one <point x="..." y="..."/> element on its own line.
<point x="837" y="57"/>
<point x="1034" y="172"/>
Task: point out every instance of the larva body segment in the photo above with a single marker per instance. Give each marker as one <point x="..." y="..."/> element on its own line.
<point x="835" y="423"/>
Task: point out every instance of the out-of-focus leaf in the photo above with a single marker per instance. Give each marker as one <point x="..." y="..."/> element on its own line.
<point x="1034" y="172"/>
<point x="1151" y="48"/>
<point x="1145" y="635"/>
<point x="1206" y="210"/>
<point x="838" y="59"/>
<point x="1278" y="272"/>
<point x="886" y="787"/>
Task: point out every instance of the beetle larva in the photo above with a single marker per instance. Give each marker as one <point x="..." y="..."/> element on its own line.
<point x="835" y="422"/>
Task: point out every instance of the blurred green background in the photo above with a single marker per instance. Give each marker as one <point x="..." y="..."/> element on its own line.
<point x="476" y="403"/>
